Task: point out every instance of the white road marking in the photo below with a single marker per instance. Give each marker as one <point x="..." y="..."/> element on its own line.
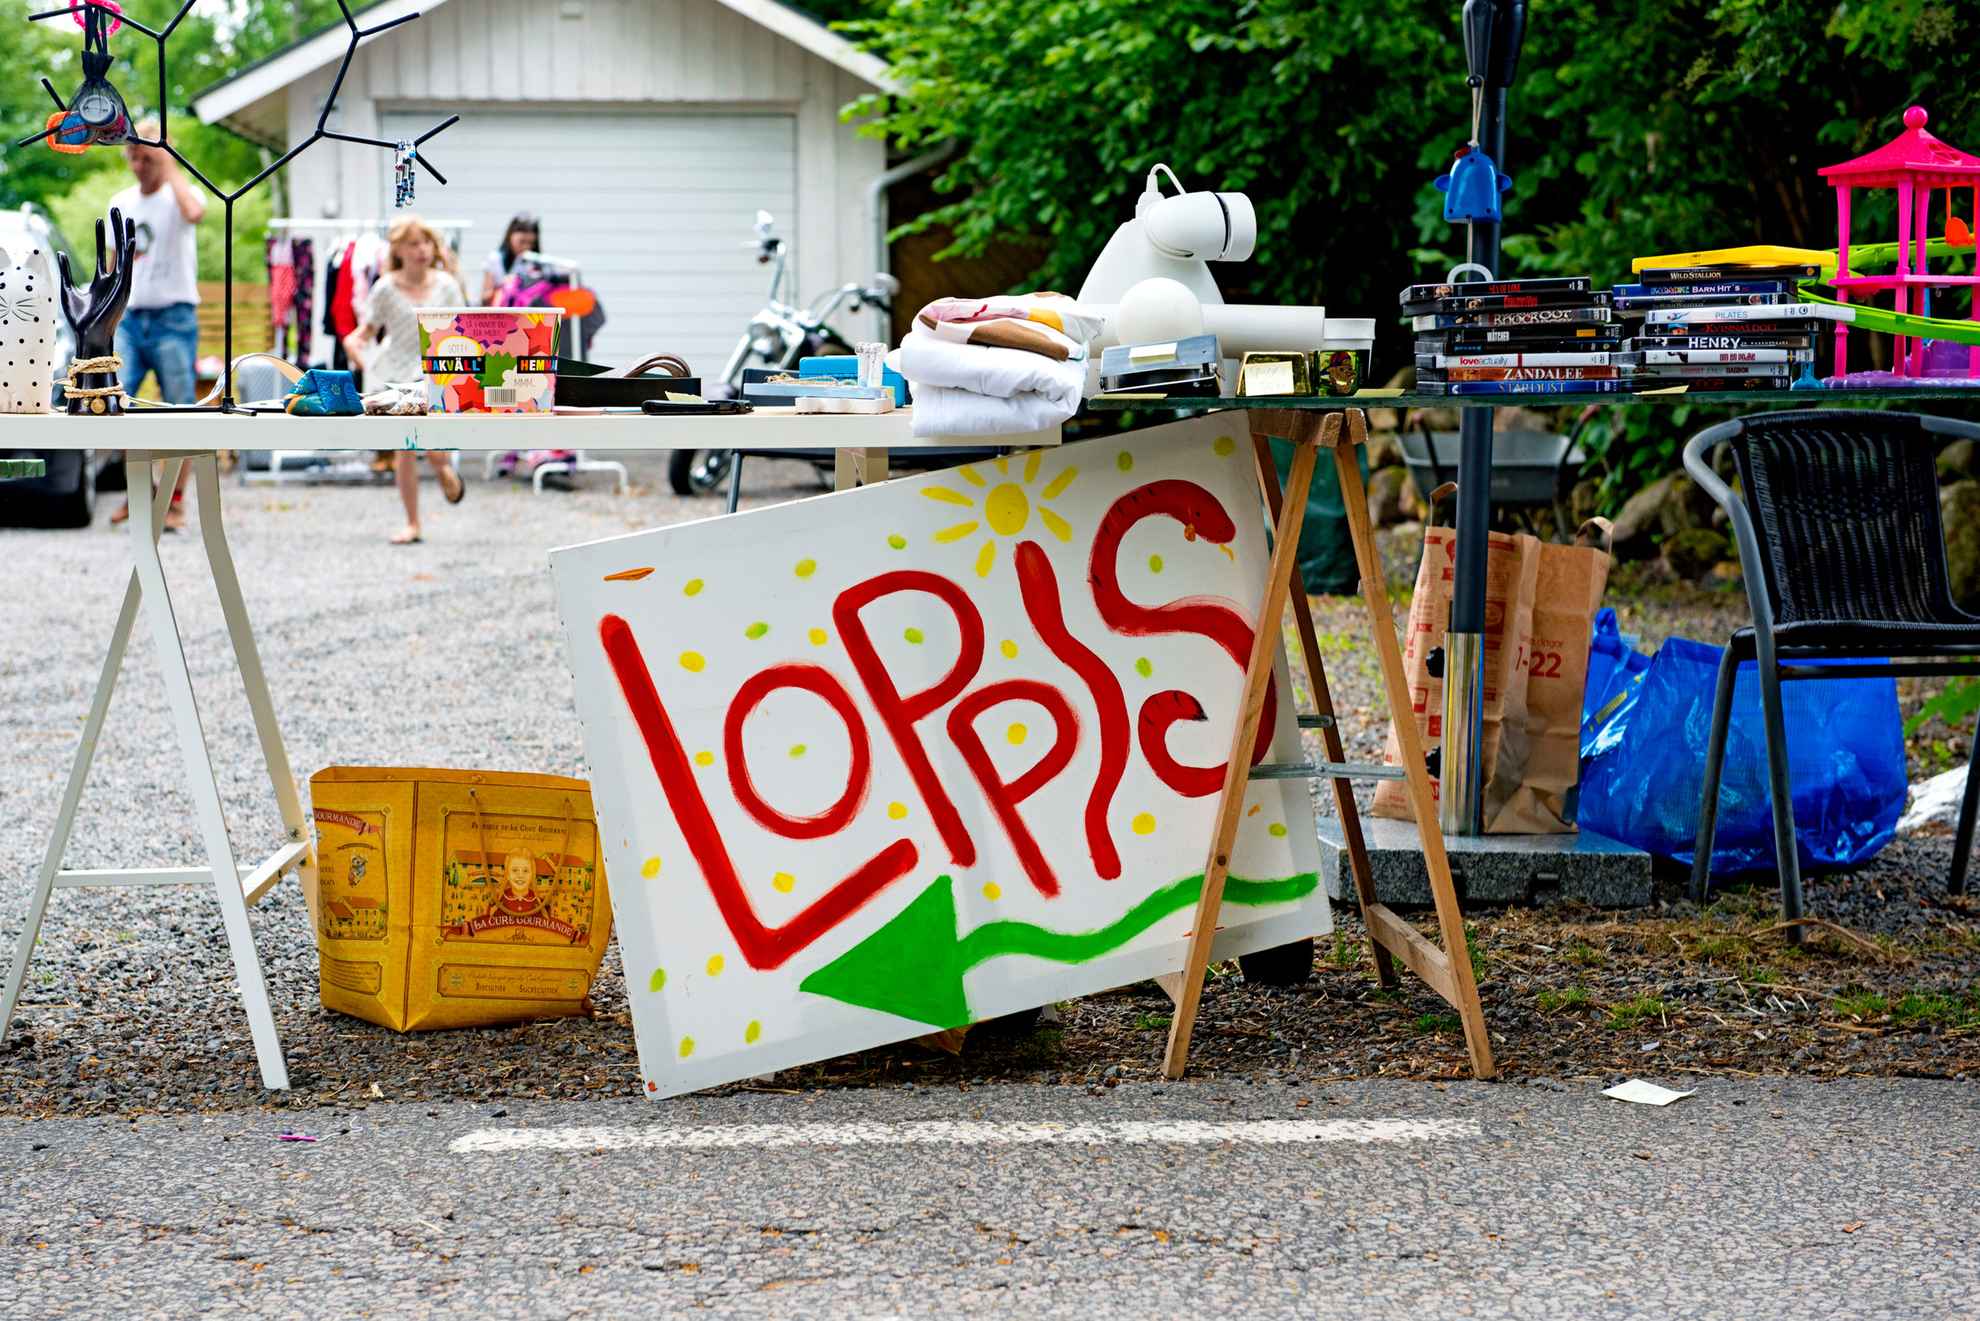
<point x="968" y="1133"/>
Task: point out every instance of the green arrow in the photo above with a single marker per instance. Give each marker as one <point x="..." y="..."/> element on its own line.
<point x="914" y="965"/>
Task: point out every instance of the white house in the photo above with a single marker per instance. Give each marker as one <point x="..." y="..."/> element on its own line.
<point x="646" y="134"/>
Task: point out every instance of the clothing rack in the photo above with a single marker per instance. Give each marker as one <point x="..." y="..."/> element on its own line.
<point x="452" y="231"/>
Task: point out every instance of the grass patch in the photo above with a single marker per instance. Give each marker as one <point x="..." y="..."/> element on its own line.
<point x="1862" y="1004"/>
<point x="1935" y="1009"/>
<point x="1761" y="975"/>
<point x="1428" y="1023"/>
<point x="1346" y="952"/>
<point x="1046" y="1045"/>
<point x="1472" y="947"/>
<point x="1584" y="955"/>
<point x="1552" y="1001"/>
<point x="1151" y="1022"/>
<point x="1630" y="1013"/>
<point x="1722" y="949"/>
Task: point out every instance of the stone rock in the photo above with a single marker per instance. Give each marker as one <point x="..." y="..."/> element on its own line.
<point x="1686" y="506"/>
<point x="1388" y="489"/>
<point x="1959" y="510"/>
<point x="1636" y="525"/>
<point x="1693" y="552"/>
<point x="1959" y="461"/>
<point x="1384" y="450"/>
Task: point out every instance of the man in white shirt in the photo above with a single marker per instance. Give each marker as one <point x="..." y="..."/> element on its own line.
<point x="159" y="332"/>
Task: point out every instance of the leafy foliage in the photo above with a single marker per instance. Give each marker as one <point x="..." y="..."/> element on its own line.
<point x="1637" y="127"/>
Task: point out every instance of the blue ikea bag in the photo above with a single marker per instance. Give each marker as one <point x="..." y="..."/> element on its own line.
<point x="1613" y="661"/>
<point x="1643" y="764"/>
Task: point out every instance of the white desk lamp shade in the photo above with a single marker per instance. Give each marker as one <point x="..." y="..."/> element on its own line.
<point x="1158" y="310"/>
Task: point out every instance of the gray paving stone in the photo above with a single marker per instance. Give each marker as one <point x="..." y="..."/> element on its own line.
<point x="1491" y="869"/>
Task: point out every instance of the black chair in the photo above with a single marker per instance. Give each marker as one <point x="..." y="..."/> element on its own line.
<point x="1844" y="558"/>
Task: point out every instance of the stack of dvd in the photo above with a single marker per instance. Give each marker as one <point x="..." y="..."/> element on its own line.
<point x="1724" y="327"/>
<point x="1500" y="337"/>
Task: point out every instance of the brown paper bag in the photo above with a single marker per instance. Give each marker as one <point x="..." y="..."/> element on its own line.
<point x="1509" y="585"/>
<point x="1540" y="601"/>
<point x="1539" y="762"/>
<point x="456" y="898"/>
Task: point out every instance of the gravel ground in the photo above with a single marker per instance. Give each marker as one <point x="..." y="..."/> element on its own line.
<point x="449" y="654"/>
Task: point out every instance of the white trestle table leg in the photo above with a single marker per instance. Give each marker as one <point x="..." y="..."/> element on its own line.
<point x="65" y="817"/>
<point x="199" y="771"/>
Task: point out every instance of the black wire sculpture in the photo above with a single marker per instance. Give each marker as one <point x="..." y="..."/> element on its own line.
<point x="98" y="14"/>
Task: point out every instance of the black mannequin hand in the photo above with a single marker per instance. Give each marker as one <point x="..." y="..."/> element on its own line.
<point x="94" y="310"/>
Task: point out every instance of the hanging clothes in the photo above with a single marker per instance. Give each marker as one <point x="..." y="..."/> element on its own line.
<point x="302" y="255"/>
<point x="281" y="290"/>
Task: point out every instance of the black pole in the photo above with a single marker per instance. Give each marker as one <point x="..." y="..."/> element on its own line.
<point x="1474" y="498"/>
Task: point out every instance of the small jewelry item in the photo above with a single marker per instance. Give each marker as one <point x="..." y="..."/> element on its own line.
<point x="402" y="173"/>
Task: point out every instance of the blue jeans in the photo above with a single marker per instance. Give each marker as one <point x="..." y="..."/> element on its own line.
<point x="161" y="340"/>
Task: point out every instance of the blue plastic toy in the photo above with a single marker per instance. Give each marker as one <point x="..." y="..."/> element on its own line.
<point x="1473" y="187"/>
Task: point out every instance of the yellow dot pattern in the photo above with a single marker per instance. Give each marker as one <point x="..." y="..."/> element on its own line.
<point x="897" y="811"/>
<point x="658" y="981"/>
<point x="783" y="882"/>
<point x="1276" y="830"/>
<point x="1224" y="446"/>
<point x="1154" y="564"/>
<point x="797" y="749"/>
<point x="805" y="568"/>
<point x="752" y="1032"/>
<point x="1143" y="823"/>
<point x="1144" y="667"/>
<point x="687" y="1047"/>
<point x="756" y="630"/>
<point x="714" y="965"/>
<point x="692" y="587"/>
<point x="915" y="636"/>
<point x="650" y="868"/>
<point x="819" y="637"/>
<point x="693" y="662"/>
<point x="897" y="541"/>
<point x="1009" y="649"/>
<point x="1016" y="735"/>
<point x="1124" y="461"/>
<point x="704" y="758"/>
<point x="992" y="890"/>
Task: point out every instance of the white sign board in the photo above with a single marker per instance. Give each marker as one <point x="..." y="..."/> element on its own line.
<point x="925" y="753"/>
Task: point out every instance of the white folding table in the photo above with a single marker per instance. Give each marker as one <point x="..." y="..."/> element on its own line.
<point x="861" y="444"/>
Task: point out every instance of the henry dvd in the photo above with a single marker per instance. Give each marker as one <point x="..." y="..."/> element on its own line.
<point x="1560" y="284"/>
<point x="1536" y="316"/>
<point x="1763" y="340"/>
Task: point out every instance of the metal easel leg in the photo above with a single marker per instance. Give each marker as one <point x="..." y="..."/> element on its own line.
<point x="247" y="658"/>
<point x="199" y="780"/>
<point x="65" y="816"/>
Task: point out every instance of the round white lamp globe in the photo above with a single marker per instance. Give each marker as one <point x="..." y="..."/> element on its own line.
<point x="1158" y="310"/>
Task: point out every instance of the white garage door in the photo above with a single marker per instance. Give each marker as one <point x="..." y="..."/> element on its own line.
<point x="655" y="207"/>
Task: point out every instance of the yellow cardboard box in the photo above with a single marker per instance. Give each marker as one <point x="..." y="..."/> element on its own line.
<point x="456" y="898"/>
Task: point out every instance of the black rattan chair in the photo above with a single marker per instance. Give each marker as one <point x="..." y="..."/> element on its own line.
<point x="1839" y="539"/>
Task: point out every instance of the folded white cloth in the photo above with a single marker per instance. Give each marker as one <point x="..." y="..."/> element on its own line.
<point x="978" y="390"/>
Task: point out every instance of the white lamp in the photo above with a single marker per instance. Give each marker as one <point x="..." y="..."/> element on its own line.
<point x="1173" y="238"/>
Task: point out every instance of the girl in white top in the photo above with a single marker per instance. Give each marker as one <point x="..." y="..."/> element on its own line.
<point x="420" y="273"/>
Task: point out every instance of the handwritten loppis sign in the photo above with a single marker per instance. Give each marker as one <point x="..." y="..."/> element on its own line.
<point x="925" y="753"/>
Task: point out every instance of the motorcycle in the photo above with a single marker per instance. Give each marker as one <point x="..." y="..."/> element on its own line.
<point x="779" y="336"/>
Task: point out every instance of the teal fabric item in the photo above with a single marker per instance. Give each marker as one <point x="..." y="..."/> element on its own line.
<point x="323" y="393"/>
<point x="1326" y="554"/>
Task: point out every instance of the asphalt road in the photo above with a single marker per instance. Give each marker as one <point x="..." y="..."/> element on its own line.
<point x="1750" y="1199"/>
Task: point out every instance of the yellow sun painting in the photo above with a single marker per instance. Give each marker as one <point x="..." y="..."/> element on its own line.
<point x="1006" y="506"/>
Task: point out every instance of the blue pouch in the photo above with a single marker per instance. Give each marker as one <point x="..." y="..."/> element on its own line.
<point x="324" y="393"/>
<point x="1643" y="764"/>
